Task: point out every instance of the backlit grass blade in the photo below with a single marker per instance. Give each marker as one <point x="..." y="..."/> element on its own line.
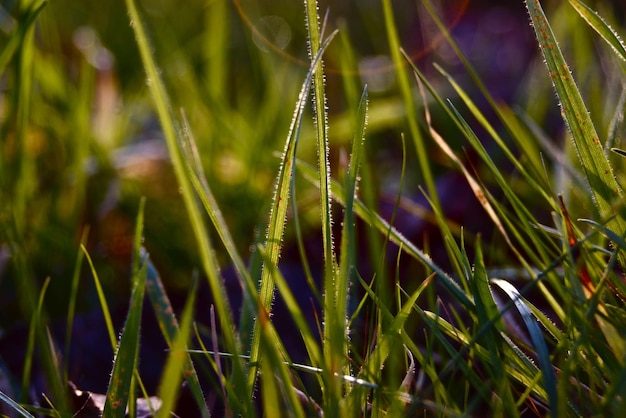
<point x="589" y="147"/>
<point x="177" y="360"/>
<point x="539" y="343"/>
<point x="408" y="100"/>
<point x="170" y="329"/>
<point x="279" y="208"/>
<point x="599" y="25"/>
<point x="347" y="263"/>
<point x="209" y="264"/>
<point x="102" y="299"/>
<point x="296" y="314"/>
<point x="127" y="353"/>
<point x="333" y="354"/>
<point x="205" y="195"/>
<point x="383" y="227"/>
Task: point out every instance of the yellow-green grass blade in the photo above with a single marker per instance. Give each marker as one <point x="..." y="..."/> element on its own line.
<point x="276" y="387"/>
<point x="383" y="227"/>
<point x="102" y="299"/>
<point x="209" y="264"/>
<point x="334" y="359"/>
<point x="40" y="340"/>
<point x="590" y="149"/>
<point x="127" y="353"/>
<point x="71" y="307"/>
<point x="347" y="263"/>
<point x="408" y="100"/>
<point x="523" y="215"/>
<point x="599" y="25"/>
<point x="16" y="38"/>
<point x="278" y="211"/>
<point x="170" y="329"/>
<point x="296" y="314"/>
<point x="321" y="132"/>
<point x="205" y="195"/>
<point x="177" y="360"/>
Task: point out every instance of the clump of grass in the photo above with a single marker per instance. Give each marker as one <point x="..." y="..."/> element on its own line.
<point x="527" y="322"/>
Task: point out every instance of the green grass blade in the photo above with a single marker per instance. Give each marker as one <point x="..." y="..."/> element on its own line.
<point x="17" y="407"/>
<point x="206" y="197"/>
<point x="321" y="131"/>
<point x="177" y="359"/>
<point x="127" y="353"/>
<point x="599" y="25"/>
<point x="408" y="100"/>
<point x="279" y="208"/>
<point x="169" y="327"/>
<point x="30" y="345"/>
<point x="347" y="262"/>
<point x="541" y="350"/>
<point x="333" y="354"/>
<point x="588" y="145"/>
<point x="383" y="227"/>
<point x="71" y="308"/>
<point x="102" y="299"/>
<point x="488" y="316"/>
<point x="18" y="35"/>
<point x="209" y="264"/>
<point x="296" y="314"/>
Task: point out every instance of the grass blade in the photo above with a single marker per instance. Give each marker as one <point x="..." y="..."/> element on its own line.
<point x="71" y="309"/>
<point x="541" y="350"/>
<point x="126" y="356"/>
<point x="169" y="327"/>
<point x="177" y="360"/>
<point x="383" y="227"/>
<point x="196" y="220"/>
<point x="599" y="25"/>
<point x="102" y="299"/>
<point x="589" y="147"/>
<point x="278" y="211"/>
<point x="17" y="407"/>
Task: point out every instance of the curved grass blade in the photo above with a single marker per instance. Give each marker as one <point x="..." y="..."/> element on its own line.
<point x="599" y="25"/>
<point x="589" y="148"/>
<point x="279" y="208"/>
<point x="541" y="349"/>
<point x="17" y="407"/>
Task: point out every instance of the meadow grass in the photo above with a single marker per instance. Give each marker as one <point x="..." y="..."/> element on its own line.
<point x="523" y="317"/>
